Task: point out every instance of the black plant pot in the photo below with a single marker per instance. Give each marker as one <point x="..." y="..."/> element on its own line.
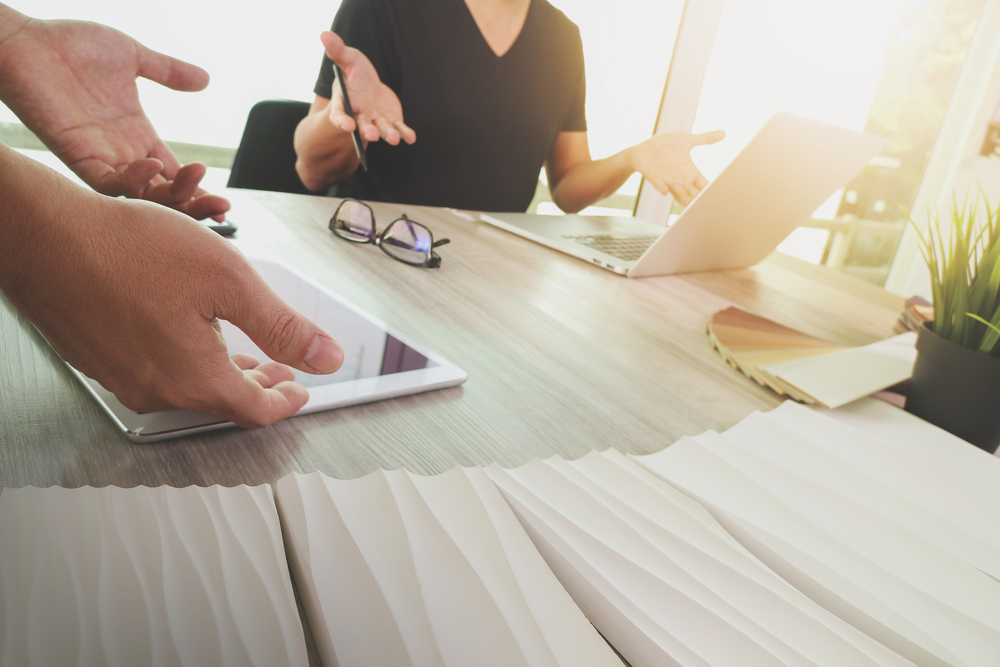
<point x="957" y="389"/>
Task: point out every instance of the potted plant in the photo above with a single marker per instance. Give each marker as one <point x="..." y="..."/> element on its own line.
<point x="956" y="377"/>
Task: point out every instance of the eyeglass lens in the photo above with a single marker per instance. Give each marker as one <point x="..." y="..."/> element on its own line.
<point x="355" y="221"/>
<point x="407" y="241"/>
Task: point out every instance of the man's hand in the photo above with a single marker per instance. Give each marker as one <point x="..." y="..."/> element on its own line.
<point x="665" y="161"/>
<point x="377" y="109"/>
<point x="73" y="84"/>
<point x="131" y="293"/>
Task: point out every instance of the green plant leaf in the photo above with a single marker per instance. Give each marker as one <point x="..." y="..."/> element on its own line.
<point x="962" y="253"/>
<point x="991" y="338"/>
<point x="983" y="297"/>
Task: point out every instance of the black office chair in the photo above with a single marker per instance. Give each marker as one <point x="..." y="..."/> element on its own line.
<point x="265" y="159"/>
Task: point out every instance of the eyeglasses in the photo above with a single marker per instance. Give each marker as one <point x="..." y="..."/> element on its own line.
<point x="403" y="240"/>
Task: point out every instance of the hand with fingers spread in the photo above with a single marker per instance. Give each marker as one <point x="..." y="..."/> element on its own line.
<point x="377" y="109"/>
<point x="495" y="99"/>
<point x="576" y="180"/>
<point x="665" y="161"/>
<point x="73" y="84"/>
<point x="323" y="141"/>
<point x="131" y="294"/>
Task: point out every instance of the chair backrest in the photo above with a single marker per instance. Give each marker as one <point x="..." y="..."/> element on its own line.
<point x="265" y="159"/>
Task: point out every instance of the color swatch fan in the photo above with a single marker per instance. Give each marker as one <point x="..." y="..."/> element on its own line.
<point x="748" y="342"/>
<point x="806" y="368"/>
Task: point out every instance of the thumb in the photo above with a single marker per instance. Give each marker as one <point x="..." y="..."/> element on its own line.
<point x="707" y="137"/>
<point x="170" y="72"/>
<point x="282" y="333"/>
<point x="336" y="50"/>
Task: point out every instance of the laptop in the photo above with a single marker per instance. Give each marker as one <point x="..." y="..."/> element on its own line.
<point x="790" y="167"/>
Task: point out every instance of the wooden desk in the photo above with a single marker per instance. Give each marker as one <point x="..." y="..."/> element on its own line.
<point x="562" y="358"/>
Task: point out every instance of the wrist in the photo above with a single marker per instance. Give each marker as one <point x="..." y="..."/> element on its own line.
<point x="11" y="23"/>
<point x="325" y="153"/>
<point x="631" y="157"/>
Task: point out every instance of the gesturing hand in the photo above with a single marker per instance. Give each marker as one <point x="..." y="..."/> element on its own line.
<point x="665" y="161"/>
<point x="74" y="85"/>
<point x="131" y="294"/>
<point x="377" y="109"/>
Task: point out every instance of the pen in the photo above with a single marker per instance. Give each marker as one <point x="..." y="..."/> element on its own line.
<point x="355" y="135"/>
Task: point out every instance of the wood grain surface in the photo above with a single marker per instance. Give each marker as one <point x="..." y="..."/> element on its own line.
<point x="562" y="357"/>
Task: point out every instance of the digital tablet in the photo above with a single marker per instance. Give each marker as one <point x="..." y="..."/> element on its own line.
<point x="379" y="362"/>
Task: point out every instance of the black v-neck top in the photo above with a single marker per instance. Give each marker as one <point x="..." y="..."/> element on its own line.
<point x="485" y="124"/>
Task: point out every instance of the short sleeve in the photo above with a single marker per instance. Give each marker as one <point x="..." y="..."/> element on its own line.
<point x="363" y="25"/>
<point x="576" y="119"/>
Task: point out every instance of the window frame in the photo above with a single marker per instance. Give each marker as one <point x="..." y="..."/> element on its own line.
<point x="974" y="104"/>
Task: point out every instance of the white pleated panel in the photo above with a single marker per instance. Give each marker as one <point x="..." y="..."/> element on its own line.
<point x="909" y="433"/>
<point x="892" y="584"/>
<point x="769" y="436"/>
<point x="145" y="576"/>
<point x="406" y="570"/>
<point x="931" y="468"/>
<point x="661" y="579"/>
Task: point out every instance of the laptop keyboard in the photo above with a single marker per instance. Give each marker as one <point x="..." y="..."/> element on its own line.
<point x="628" y="248"/>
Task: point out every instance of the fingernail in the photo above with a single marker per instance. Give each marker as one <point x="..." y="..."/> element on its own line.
<point x="324" y="355"/>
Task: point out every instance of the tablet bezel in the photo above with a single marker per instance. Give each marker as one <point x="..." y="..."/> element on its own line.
<point x="156" y="426"/>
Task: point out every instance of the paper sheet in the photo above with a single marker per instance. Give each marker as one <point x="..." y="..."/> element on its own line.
<point x="841" y="377"/>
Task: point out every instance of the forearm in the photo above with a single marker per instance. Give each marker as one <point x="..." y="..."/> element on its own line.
<point x="25" y="198"/>
<point x="325" y="153"/>
<point x="36" y="205"/>
<point x="590" y="181"/>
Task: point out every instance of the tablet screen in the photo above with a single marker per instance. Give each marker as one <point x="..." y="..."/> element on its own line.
<point x="379" y="362"/>
<point x="369" y="349"/>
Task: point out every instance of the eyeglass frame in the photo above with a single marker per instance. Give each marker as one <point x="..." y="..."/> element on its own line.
<point x="432" y="262"/>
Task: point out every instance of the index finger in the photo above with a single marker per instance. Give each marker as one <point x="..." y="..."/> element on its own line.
<point x="336" y="114"/>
